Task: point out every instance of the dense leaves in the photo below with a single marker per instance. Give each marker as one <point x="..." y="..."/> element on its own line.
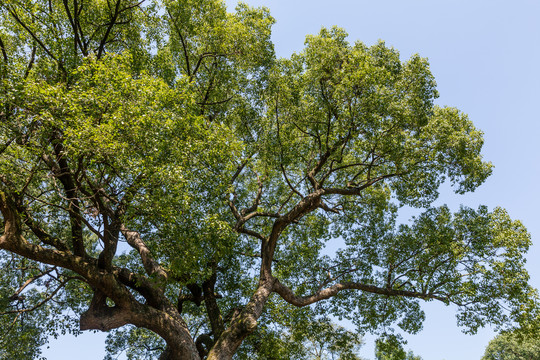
<point x="512" y="346"/>
<point x="165" y="178"/>
<point x="390" y="348"/>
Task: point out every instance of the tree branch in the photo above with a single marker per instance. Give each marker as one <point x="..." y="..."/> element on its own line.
<point x="63" y="174"/>
<point x="42" y="235"/>
<point x="203" y="343"/>
<point x="74" y="25"/>
<point x="34" y="36"/>
<point x="184" y="46"/>
<point x="100" y="316"/>
<point x="289" y="183"/>
<point x="112" y="23"/>
<point x="28" y="282"/>
<point x="30" y="62"/>
<point x="358" y="189"/>
<point x="150" y="265"/>
<point x="212" y="308"/>
<point x="4" y="52"/>
<point x="288" y="295"/>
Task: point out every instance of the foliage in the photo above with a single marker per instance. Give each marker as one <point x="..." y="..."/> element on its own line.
<point x="24" y="337"/>
<point x="164" y="177"/>
<point x="137" y="343"/>
<point x="301" y="336"/>
<point x="390" y="348"/>
<point x="512" y="346"/>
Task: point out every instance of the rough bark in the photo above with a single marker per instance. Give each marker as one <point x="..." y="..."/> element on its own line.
<point x="242" y="325"/>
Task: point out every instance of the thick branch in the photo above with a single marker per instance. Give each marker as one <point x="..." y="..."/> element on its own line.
<point x="112" y="224"/>
<point x="243" y="324"/>
<point x="63" y="173"/>
<point x="4" y="52"/>
<point x="212" y="308"/>
<point x="163" y="320"/>
<point x="203" y="342"/>
<point x="141" y="284"/>
<point x="100" y="316"/>
<point x="252" y="233"/>
<point x="42" y="235"/>
<point x="150" y="265"/>
<point x="268" y="246"/>
<point x="111" y="233"/>
<point x="288" y="295"/>
<point x="13" y="241"/>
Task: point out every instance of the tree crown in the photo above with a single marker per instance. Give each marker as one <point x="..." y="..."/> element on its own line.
<point x="163" y="173"/>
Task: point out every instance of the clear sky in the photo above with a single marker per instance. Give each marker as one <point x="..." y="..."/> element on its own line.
<point x="485" y="56"/>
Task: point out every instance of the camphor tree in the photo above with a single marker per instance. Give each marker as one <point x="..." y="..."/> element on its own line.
<point x="165" y="178"/>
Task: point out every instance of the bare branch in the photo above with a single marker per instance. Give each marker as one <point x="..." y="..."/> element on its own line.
<point x="212" y="308"/>
<point x="233" y="208"/>
<point x="200" y="60"/>
<point x="239" y="170"/>
<point x="327" y="208"/>
<point x="253" y="233"/>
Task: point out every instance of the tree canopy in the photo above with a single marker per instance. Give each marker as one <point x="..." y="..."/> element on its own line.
<point x="390" y="348"/>
<point x="512" y="346"/>
<point x="166" y="178"/>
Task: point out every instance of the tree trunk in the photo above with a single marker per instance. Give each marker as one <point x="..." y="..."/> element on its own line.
<point x="172" y="328"/>
<point x="172" y="354"/>
<point x="242" y="325"/>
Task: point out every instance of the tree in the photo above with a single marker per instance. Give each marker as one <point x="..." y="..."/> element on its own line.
<point x="165" y="178"/>
<point x="512" y="346"/>
<point x="390" y="348"/>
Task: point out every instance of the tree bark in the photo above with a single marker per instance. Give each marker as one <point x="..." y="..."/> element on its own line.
<point x="242" y="325"/>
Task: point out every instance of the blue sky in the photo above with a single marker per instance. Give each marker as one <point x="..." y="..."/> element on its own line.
<point x="485" y="56"/>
